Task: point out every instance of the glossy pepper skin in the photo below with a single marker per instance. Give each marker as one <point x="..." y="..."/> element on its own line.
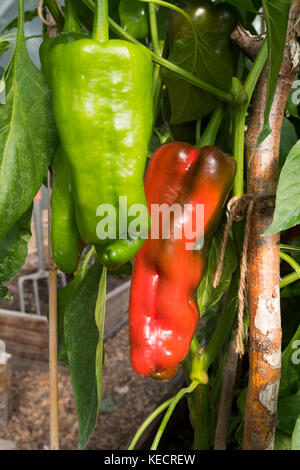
<point x="134" y="18"/>
<point x="214" y="23"/>
<point x="102" y="102"/>
<point x="65" y="238"/>
<point x="163" y="313"/>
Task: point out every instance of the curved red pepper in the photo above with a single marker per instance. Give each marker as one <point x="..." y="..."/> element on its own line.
<point x="163" y="312"/>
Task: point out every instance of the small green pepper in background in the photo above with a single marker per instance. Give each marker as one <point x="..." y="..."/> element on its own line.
<point x="65" y="238"/>
<point x="134" y="18"/>
<point x="102" y="103"/>
<point x="216" y="58"/>
<point x="214" y="23"/>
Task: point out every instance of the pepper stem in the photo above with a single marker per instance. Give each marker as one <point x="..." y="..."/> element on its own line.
<point x="20" y="34"/>
<point x="71" y="21"/>
<point x="100" y="28"/>
<point x="210" y="134"/>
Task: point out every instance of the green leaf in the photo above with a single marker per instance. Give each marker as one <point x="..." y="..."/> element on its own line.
<point x="296" y="435"/>
<point x="65" y="296"/>
<point x="282" y="441"/>
<point x="276" y="15"/>
<point x="28" y="137"/>
<point x="288" y="413"/>
<point x="287" y="210"/>
<point x="206" y="294"/>
<point x="244" y="5"/>
<point x="241" y="401"/>
<point x="82" y="345"/>
<point x="187" y="101"/>
<point x="290" y="369"/>
<point x="288" y="138"/>
<point x="99" y="319"/>
<point x="13" y="249"/>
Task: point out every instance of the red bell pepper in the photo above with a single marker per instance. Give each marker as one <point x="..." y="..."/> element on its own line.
<point x="163" y="311"/>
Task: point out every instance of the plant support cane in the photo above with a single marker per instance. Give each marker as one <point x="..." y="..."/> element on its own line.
<point x="263" y="257"/>
<point x="53" y="359"/>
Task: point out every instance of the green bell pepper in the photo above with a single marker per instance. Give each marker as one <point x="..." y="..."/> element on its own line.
<point x="102" y="103"/>
<point x="65" y="238"/>
<point x="214" y="23"/>
<point x="134" y="18"/>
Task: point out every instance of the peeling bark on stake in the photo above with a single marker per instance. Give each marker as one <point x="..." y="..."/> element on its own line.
<point x="264" y="261"/>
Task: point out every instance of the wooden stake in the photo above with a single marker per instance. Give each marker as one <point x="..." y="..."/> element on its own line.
<point x="53" y="362"/>
<point x="263" y="256"/>
<point x="53" y="369"/>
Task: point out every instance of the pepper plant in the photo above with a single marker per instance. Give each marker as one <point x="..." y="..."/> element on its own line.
<point x="165" y="103"/>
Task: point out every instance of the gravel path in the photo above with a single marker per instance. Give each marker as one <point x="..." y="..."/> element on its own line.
<point x="127" y="401"/>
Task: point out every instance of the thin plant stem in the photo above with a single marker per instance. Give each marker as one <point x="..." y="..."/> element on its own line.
<point x="100" y="28"/>
<point x="209" y="135"/>
<point x="157" y="80"/>
<point x="289" y="279"/>
<point x="239" y="120"/>
<point x="169" y="412"/>
<point x="290" y="248"/>
<point x="291" y="262"/>
<point x="148" y="421"/>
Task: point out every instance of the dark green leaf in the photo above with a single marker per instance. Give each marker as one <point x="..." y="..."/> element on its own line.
<point x="13" y="249"/>
<point x="82" y="344"/>
<point x="65" y="296"/>
<point x="187" y="101"/>
<point x="288" y="412"/>
<point x="276" y="15"/>
<point x="206" y="294"/>
<point x="287" y="210"/>
<point x="239" y="434"/>
<point x="28" y="137"/>
<point x="296" y="435"/>
<point x="244" y="5"/>
<point x="290" y="370"/>
<point x="288" y="139"/>
<point x="282" y="441"/>
<point x="293" y="290"/>
<point x="241" y="401"/>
